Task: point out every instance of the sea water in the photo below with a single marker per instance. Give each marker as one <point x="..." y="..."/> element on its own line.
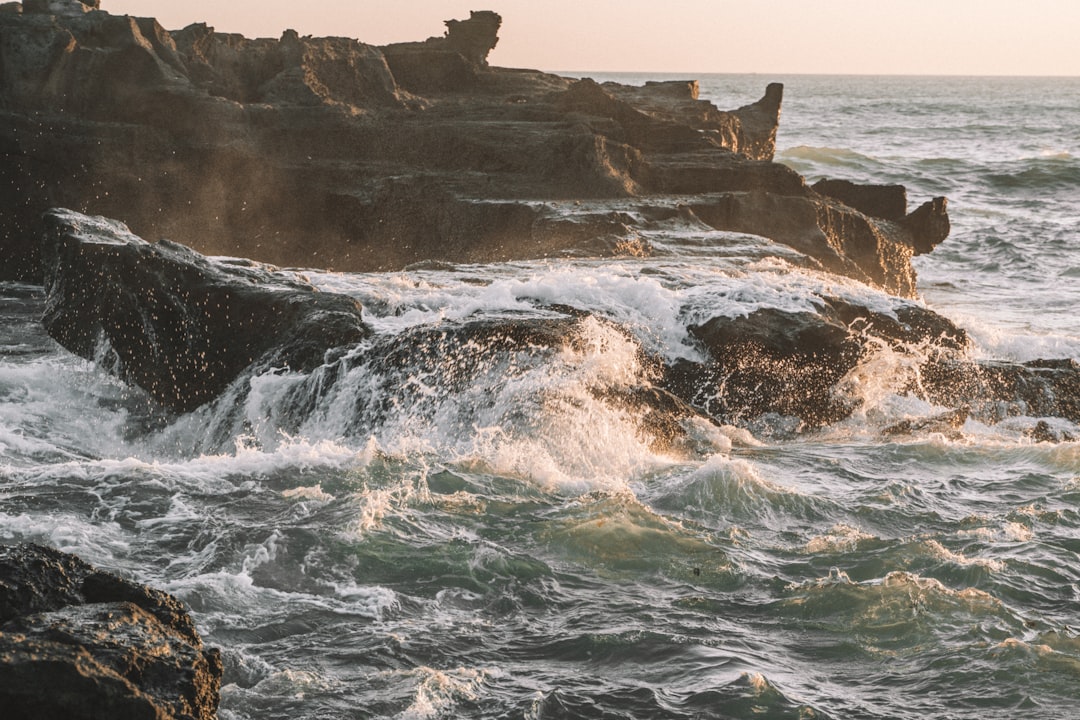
<point x="515" y="549"/>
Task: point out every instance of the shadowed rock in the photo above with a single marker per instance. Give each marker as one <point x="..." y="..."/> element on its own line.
<point x="888" y="202"/>
<point x="792" y="363"/>
<point x="76" y="642"/>
<point x="165" y="318"/>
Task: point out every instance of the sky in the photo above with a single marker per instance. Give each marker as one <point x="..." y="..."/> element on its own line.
<point x="895" y="37"/>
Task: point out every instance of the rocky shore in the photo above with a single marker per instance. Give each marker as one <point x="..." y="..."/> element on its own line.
<point x="326" y="152"/>
<point x="82" y="644"/>
<point x="330" y="153"/>
<point x="186" y="329"/>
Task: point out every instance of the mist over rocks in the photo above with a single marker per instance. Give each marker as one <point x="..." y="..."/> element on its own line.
<point x="331" y="153"/>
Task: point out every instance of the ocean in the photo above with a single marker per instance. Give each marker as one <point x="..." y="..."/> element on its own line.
<point x="504" y="545"/>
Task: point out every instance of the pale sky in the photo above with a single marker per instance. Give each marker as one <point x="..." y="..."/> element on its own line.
<point x="904" y="37"/>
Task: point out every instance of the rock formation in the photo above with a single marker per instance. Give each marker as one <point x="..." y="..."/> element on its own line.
<point x="326" y="152"/>
<point x="188" y="329"/>
<point x="180" y="327"/>
<point x="82" y="644"/>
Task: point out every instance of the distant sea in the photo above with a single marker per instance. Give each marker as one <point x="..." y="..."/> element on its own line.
<point x="514" y="549"/>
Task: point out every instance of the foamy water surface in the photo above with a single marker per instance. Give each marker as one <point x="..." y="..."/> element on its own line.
<point x="477" y="534"/>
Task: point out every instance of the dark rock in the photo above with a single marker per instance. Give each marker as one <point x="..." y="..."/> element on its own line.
<point x="1043" y="432"/>
<point x="928" y="224"/>
<point x="60" y="7"/>
<point x="76" y="642"/>
<point x="449" y="63"/>
<point x="997" y="390"/>
<point x="476" y="37"/>
<point x="179" y="326"/>
<point x="185" y="328"/>
<point x="792" y="363"/>
<point x="888" y="202"/>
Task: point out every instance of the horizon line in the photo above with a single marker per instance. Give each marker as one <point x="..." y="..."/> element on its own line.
<point x="694" y="74"/>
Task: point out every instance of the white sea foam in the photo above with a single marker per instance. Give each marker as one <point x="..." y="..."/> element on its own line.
<point x="93" y="540"/>
<point x="437" y="692"/>
<point x="840" y="538"/>
<point x="940" y="552"/>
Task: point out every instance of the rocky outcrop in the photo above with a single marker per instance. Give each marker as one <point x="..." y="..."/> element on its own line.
<point x="330" y="153"/>
<point x="190" y="330"/>
<point x="446" y="64"/>
<point x="166" y="319"/>
<point x="82" y="644"/>
<point x="888" y="202"/>
<point x="773" y="362"/>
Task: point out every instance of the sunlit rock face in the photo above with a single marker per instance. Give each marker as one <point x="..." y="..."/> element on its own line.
<point x="78" y="642"/>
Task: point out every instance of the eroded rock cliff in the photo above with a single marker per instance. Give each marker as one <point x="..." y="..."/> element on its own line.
<point x="331" y="153"/>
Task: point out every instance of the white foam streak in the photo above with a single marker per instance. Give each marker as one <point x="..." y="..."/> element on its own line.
<point x="93" y="540"/>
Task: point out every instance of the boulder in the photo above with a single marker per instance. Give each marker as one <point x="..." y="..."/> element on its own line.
<point x="80" y="643"/>
<point x="775" y="362"/>
<point x="174" y="323"/>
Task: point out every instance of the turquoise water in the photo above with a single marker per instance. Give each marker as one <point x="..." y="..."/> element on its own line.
<point x="515" y="548"/>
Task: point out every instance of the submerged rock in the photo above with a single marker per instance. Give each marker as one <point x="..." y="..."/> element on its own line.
<point x="80" y="643"/>
<point x="327" y="152"/>
<point x="947" y="424"/>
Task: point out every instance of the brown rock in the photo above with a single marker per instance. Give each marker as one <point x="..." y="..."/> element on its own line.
<point x="76" y="642"/>
<point x="888" y="202"/>
<point x="322" y="152"/>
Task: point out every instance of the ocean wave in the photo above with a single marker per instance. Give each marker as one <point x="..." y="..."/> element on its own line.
<point x="897" y="613"/>
<point x="617" y="534"/>
<point x="1057" y="173"/>
<point x="832" y="162"/>
<point x="724" y="488"/>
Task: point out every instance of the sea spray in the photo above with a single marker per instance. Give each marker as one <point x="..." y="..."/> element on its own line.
<point x="360" y="540"/>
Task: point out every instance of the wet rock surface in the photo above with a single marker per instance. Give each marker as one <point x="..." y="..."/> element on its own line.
<point x="168" y="320"/>
<point x="189" y="330"/>
<point x="331" y="153"/>
<point x="77" y="642"/>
